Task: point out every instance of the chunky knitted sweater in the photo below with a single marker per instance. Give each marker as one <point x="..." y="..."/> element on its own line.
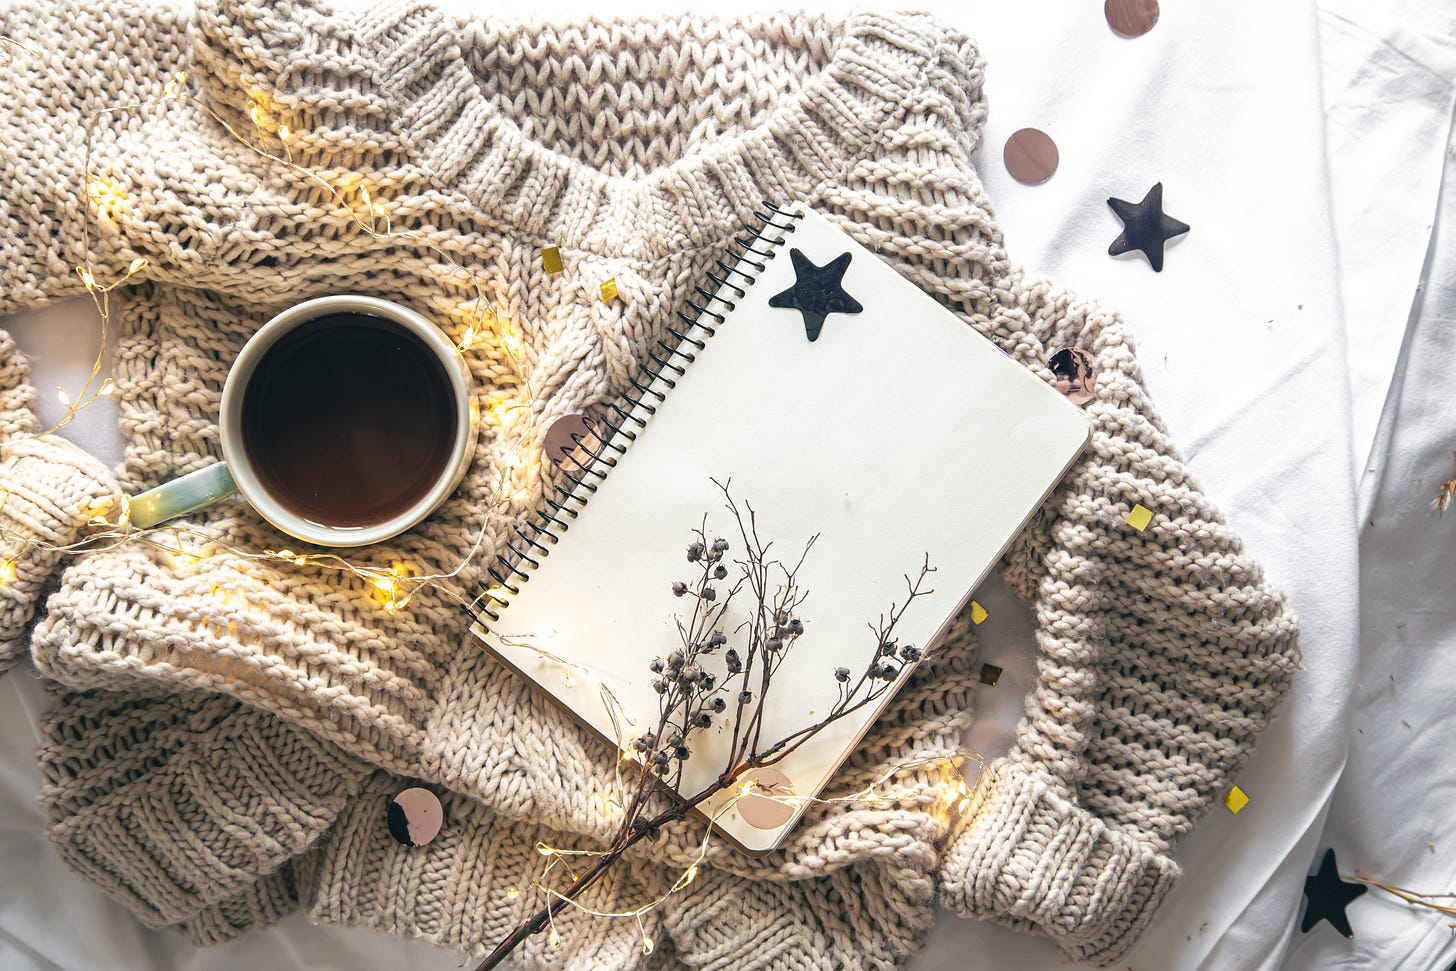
<point x="227" y="732"/>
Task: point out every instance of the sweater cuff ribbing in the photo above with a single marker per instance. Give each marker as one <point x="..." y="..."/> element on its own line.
<point x="177" y="803"/>
<point x="49" y="488"/>
<point x="259" y="905"/>
<point x="1029" y="857"/>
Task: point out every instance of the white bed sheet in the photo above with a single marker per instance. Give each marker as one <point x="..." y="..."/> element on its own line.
<point x="1390" y="82"/>
<point x="1269" y="393"/>
<point x="1390" y="817"/>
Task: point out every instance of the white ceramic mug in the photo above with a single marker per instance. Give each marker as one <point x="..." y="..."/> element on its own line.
<point x="237" y="471"/>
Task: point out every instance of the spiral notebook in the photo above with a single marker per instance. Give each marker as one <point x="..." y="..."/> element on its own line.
<point x="839" y="399"/>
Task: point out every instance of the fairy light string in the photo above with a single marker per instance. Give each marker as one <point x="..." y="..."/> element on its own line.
<point x="870" y="794"/>
<point x="8" y="45"/>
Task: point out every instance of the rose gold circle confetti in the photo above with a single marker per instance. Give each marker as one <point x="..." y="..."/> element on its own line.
<point x="764" y="806"/>
<point x="1075" y="373"/>
<point x="415" y="816"/>
<point x="572" y="441"/>
<point x="1131" y="18"/>
<point x="1031" y="156"/>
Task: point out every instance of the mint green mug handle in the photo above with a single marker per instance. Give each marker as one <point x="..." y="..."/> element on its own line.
<point x="184" y="494"/>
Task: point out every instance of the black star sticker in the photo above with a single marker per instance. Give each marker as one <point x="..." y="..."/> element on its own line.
<point x="816" y="292"/>
<point x="1328" y="897"/>
<point x="1145" y="227"/>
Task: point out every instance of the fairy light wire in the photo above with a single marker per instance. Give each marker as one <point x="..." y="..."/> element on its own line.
<point x="187" y="547"/>
<point x="867" y="794"/>
<point x="9" y="44"/>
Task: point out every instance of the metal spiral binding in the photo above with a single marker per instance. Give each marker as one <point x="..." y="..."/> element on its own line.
<point x="635" y="406"/>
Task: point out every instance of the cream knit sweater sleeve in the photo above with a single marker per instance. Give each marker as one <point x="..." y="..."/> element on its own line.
<point x="187" y="807"/>
<point x="48" y="488"/>
<point x="1162" y="655"/>
<point x="50" y="85"/>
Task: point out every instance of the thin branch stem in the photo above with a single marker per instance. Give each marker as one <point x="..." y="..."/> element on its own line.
<point x="1426" y="900"/>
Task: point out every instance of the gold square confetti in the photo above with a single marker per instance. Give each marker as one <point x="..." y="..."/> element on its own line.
<point x="551" y="259"/>
<point x="1139" y="518"/>
<point x="978" y="613"/>
<point x="1235" y="800"/>
<point x="609" y="291"/>
<point x="990" y="674"/>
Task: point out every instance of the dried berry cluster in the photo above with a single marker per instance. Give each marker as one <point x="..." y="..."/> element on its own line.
<point x="704" y="681"/>
<point x="692" y="694"/>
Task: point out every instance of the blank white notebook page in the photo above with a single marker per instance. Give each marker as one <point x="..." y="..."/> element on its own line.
<point x="897" y="433"/>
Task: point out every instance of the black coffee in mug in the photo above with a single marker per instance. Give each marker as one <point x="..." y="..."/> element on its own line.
<point x="349" y="420"/>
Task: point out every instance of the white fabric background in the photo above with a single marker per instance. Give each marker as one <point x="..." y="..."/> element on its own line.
<point x="1390" y="85"/>
<point x="1269" y="343"/>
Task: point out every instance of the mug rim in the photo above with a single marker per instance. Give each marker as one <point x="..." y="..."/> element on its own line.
<point x="245" y="365"/>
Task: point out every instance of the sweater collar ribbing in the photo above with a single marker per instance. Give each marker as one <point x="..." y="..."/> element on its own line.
<point x="809" y="138"/>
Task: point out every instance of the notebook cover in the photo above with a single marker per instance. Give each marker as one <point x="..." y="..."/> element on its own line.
<point x="898" y="432"/>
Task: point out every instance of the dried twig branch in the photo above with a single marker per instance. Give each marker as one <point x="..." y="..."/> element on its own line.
<point x="704" y="680"/>
<point x="1427" y="900"/>
<point x="1446" y="493"/>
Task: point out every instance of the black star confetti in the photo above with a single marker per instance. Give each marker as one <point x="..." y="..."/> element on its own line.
<point x="1145" y="227"/>
<point x="816" y="292"/>
<point x="1328" y="897"/>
